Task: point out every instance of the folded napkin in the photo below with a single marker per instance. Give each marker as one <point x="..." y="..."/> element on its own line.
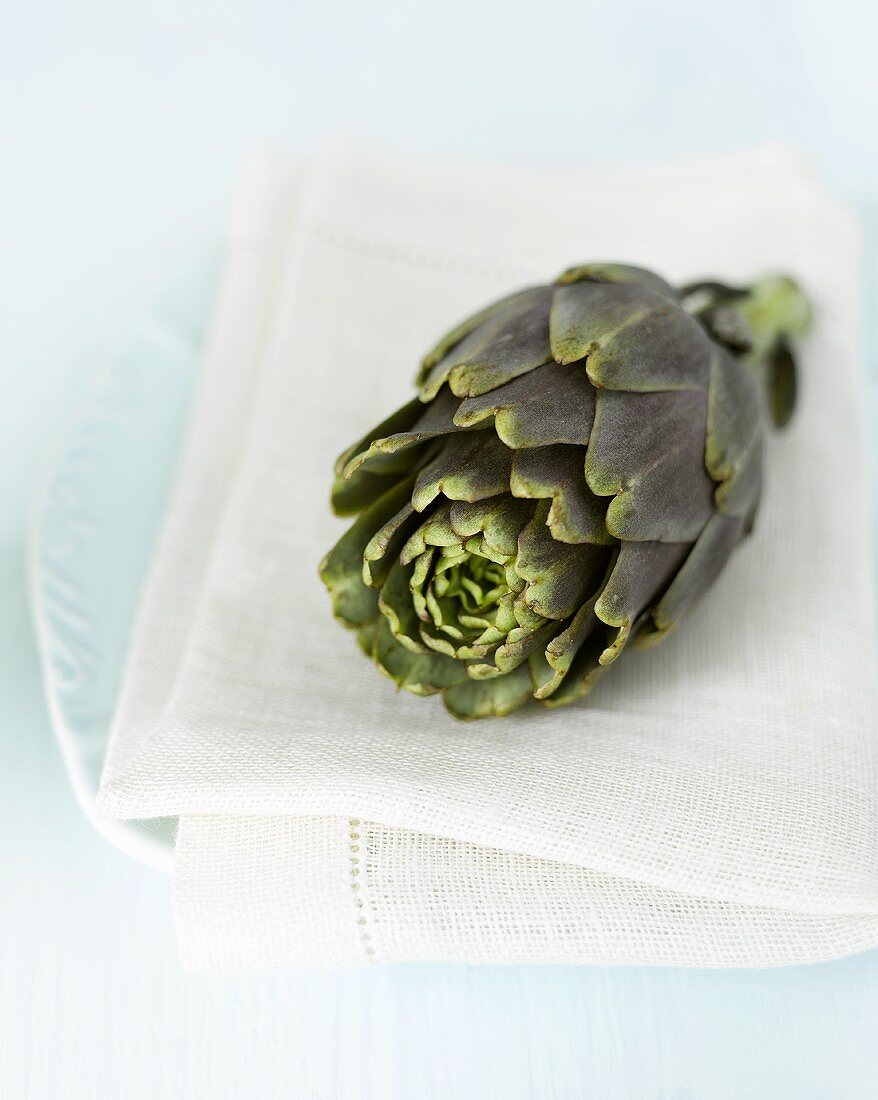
<point x="713" y="803"/>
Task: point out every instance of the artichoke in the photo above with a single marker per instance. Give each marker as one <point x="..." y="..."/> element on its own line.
<point x="578" y="465"/>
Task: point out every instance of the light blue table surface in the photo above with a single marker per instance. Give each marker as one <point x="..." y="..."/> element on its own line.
<point x="120" y="126"/>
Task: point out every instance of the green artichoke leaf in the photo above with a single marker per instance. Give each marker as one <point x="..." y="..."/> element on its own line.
<point x="519" y="645"/>
<point x="630" y="338"/>
<point x="491" y="698"/>
<point x="383" y="548"/>
<point x="495" y="325"/>
<point x="433" y="531"/>
<point x="520" y="348"/>
<point x="663" y="349"/>
<point x="559" y="576"/>
<point x="381" y="454"/>
<point x="477" y="320"/>
<point x="562" y="649"/>
<point x="499" y="519"/>
<point x="396" y="605"/>
<point x="362" y="490"/>
<point x="557" y="473"/>
<point x="700" y="569"/>
<point x="351" y="495"/>
<point x="399" y="421"/>
<point x="733" y="447"/>
<point x="420" y="673"/>
<point x="640" y="572"/>
<point x="353" y="602"/>
<point x="471" y="466"/>
<point x="584" y="315"/>
<point x="738" y="496"/>
<point x="619" y="273"/>
<point x="583" y="673"/>
<point x="647" y="450"/>
<point x="553" y="403"/>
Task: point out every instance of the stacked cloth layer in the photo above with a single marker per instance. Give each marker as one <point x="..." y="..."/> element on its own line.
<point x="713" y="803"/>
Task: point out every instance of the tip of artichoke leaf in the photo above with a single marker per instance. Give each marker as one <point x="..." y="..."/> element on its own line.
<point x="375" y="548"/>
<point x="517" y="488"/>
<point x="414" y="546"/>
<point x="592" y="273"/>
<point x="463" y="378"/>
<point x="607" y="608"/>
<point x="466" y="418"/>
<point x="411" y="644"/>
<point x="619" y="511"/>
<point x="547" y="690"/>
<point x="343" y="459"/>
<point x="376" y="447"/>
<point x="434" y="356"/>
<point x="393" y="621"/>
<point x="429" y="387"/>
<point x="482" y="672"/>
<point x="478" y="651"/>
<point x="351" y="467"/>
<point x="375" y="551"/>
<point x="557" y="523"/>
<point x="564" y="353"/>
<point x="505" y="426"/>
<point x="423" y="496"/>
<point x="614" y="651"/>
<point x="472" y="379"/>
<point x="596" y="271"/>
<point x="570" y="275"/>
<point x="477" y="716"/>
<point x="556" y="701"/>
<point x="422" y="690"/>
<point x="436" y="644"/>
<point x="533" y="602"/>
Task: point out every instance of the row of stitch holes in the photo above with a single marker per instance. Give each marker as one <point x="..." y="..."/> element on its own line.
<point x="354" y="838"/>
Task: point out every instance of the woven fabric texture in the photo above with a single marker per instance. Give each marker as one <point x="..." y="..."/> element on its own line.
<point x="713" y="803"/>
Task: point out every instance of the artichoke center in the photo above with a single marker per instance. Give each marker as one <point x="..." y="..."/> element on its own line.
<point x="465" y="595"/>
<point x="477" y="583"/>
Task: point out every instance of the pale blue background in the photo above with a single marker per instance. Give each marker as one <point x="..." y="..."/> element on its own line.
<point x="120" y="125"/>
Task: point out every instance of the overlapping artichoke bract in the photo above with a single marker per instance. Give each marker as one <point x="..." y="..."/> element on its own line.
<point x="578" y="465"/>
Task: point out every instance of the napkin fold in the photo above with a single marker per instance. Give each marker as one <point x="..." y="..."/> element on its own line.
<point x="713" y="803"/>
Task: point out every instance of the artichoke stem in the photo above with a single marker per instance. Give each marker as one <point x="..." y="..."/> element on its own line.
<point x="774" y="310"/>
<point x="759" y="325"/>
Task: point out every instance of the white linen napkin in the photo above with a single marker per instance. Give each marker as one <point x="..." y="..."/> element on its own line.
<point x="713" y="803"/>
